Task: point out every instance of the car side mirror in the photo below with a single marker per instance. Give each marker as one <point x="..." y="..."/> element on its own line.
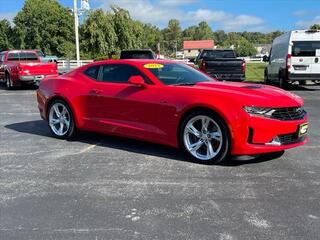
<point x="137" y="81"/>
<point x="266" y="58"/>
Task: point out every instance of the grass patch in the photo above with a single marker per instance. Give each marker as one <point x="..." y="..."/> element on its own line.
<point x="255" y="72"/>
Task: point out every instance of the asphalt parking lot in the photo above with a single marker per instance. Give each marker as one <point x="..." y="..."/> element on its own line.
<point x="102" y="187"/>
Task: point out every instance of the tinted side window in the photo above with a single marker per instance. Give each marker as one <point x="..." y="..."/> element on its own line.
<point x="13" y="57"/>
<point x="92" y="72"/>
<point x="31" y="56"/>
<point x="119" y="73"/>
<point x="1" y="58"/>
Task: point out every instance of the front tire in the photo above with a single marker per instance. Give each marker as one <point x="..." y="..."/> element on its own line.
<point x="303" y="83"/>
<point x="204" y="137"/>
<point x="60" y="120"/>
<point x="282" y="82"/>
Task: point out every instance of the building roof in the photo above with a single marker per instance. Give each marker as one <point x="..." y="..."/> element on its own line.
<point x="199" y="44"/>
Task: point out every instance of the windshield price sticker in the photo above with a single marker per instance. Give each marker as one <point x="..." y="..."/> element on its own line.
<point x="153" y="65"/>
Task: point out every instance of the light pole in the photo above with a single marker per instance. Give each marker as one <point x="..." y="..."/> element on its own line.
<point x="76" y="29"/>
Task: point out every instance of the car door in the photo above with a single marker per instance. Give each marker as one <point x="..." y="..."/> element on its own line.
<point x="122" y="108"/>
<point x="315" y="65"/>
<point x="272" y="64"/>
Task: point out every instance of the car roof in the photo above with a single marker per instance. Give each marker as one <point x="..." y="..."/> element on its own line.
<point x="19" y="51"/>
<point x="137" y="61"/>
<point x="136" y="50"/>
<point x="218" y="49"/>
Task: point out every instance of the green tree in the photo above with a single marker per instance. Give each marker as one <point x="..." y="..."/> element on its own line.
<point x="219" y="36"/>
<point x="129" y="32"/>
<point x="5" y="33"/>
<point x="98" y="37"/>
<point x="242" y="46"/>
<point x="172" y="36"/>
<point x="203" y="31"/>
<point x="189" y="33"/>
<point x="45" y="25"/>
<point x="315" y="27"/>
<point x="151" y="36"/>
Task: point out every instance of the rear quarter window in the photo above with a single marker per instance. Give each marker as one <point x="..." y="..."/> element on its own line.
<point x="92" y="72"/>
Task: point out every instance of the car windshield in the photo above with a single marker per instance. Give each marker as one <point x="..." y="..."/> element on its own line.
<point x="305" y="48"/>
<point x="218" y="54"/>
<point x="177" y="74"/>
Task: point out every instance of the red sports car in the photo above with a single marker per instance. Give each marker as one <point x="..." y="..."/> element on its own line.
<point x="173" y="104"/>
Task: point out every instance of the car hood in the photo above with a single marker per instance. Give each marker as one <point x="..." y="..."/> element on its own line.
<point x="253" y="94"/>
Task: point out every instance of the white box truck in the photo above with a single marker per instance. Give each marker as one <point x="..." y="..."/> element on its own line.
<point x="295" y="56"/>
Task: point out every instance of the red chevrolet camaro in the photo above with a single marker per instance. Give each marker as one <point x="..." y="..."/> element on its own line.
<point x="173" y="104"/>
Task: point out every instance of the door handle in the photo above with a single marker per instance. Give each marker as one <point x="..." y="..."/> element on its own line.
<point x="96" y="91"/>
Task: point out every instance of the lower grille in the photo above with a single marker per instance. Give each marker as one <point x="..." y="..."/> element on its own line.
<point x="290" y="138"/>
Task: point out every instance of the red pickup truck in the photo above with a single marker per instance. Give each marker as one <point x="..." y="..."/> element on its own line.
<point x="20" y="67"/>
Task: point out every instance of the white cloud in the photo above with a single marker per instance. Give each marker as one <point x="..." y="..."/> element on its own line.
<point x="206" y="15"/>
<point x="159" y="14"/>
<point x="175" y="2"/>
<point x="241" y="21"/>
<point x="9" y="16"/>
<point x="308" y="23"/>
<point x="300" y="13"/>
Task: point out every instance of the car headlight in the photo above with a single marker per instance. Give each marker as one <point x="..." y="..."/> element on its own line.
<point x="261" y="111"/>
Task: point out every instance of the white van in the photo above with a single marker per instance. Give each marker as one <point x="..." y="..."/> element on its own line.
<point x="295" y="56"/>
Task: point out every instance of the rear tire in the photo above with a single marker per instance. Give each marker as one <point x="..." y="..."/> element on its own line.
<point x="204" y="137"/>
<point x="266" y="78"/>
<point x="61" y="120"/>
<point x="8" y="82"/>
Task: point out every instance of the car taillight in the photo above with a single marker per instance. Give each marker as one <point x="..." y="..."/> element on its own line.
<point x="288" y="62"/>
<point x="243" y="66"/>
<point x="203" y="66"/>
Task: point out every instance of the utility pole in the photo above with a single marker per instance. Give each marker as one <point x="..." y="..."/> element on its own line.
<point x="76" y="29"/>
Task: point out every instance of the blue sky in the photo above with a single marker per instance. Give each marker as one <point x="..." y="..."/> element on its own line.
<point x="229" y="15"/>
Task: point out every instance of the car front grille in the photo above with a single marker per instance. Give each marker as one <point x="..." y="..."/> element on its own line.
<point x="290" y="138"/>
<point x="287" y="114"/>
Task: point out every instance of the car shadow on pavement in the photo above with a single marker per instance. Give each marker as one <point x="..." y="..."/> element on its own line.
<point x="307" y="88"/>
<point x="40" y="128"/>
<point x="25" y="87"/>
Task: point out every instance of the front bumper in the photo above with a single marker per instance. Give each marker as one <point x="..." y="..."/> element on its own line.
<point x="303" y="77"/>
<point x="264" y="135"/>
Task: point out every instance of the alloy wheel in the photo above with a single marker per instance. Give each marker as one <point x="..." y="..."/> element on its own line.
<point x="203" y="137"/>
<point x="59" y="119"/>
